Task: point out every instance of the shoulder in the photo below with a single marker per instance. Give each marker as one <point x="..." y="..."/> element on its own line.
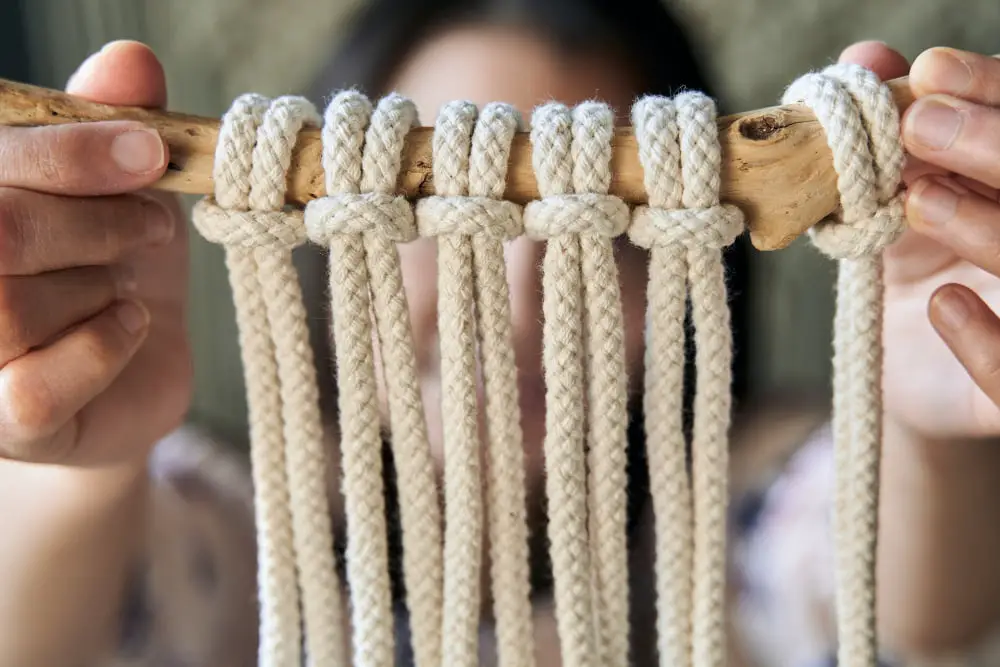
<point x="191" y="599"/>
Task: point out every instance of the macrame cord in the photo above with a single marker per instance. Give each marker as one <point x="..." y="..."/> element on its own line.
<point x="471" y="222"/>
<point x="861" y="122"/>
<point x="685" y="227"/>
<point x="585" y="378"/>
<point x="361" y="221"/>
<point x="247" y="216"/>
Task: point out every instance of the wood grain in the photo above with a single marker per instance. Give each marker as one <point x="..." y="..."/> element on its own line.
<point x="777" y="166"/>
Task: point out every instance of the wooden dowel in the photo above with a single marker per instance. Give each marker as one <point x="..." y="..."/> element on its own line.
<point x="777" y="166"/>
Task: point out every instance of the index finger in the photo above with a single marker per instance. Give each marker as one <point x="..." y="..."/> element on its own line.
<point x="82" y="159"/>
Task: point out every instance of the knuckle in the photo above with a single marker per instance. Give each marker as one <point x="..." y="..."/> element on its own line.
<point x="13" y="236"/>
<point x="53" y="152"/>
<point x="13" y="333"/>
<point x="101" y="348"/>
<point x="29" y="407"/>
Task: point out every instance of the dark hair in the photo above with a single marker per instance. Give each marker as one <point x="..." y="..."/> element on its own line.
<point x="642" y="32"/>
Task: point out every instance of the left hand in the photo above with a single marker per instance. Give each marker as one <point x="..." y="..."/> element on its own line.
<point x="942" y="338"/>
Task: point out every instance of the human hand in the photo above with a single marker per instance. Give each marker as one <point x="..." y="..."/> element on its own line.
<point x="942" y="340"/>
<point x="94" y="356"/>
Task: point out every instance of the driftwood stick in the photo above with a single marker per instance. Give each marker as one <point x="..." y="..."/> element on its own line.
<point x="777" y="166"/>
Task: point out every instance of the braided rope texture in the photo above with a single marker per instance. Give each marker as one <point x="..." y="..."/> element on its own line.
<point x="685" y="227"/>
<point x="247" y="216"/>
<point x="861" y="122"/>
<point x="584" y="367"/>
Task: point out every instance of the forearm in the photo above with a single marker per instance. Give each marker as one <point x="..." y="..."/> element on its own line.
<point x="939" y="584"/>
<point x="69" y="540"/>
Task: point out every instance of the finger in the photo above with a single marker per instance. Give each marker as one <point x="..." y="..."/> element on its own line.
<point x="123" y="73"/>
<point x="35" y="310"/>
<point x="958" y="218"/>
<point x="970" y="76"/>
<point x="82" y="159"/>
<point x="960" y="136"/>
<point x="40" y="233"/>
<point x="886" y="63"/>
<point x="42" y="393"/>
<point x="972" y="331"/>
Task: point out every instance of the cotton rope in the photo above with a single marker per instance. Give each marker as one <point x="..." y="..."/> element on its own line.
<point x="360" y="221"/>
<point x="482" y="216"/>
<point x="861" y="122"/>
<point x="686" y="228"/>
<point x="247" y="217"/>
<point x="571" y="153"/>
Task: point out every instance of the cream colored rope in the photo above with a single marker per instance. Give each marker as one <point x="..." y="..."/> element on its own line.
<point x="286" y="428"/>
<point x="567" y="148"/>
<point x="361" y="155"/>
<point x="862" y="125"/>
<point x="607" y="390"/>
<point x="471" y="157"/>
<point x="459" y="409"/>
<point x="687" y="227"/>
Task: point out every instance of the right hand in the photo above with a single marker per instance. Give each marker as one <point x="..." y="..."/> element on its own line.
<point x="95" y="365"/>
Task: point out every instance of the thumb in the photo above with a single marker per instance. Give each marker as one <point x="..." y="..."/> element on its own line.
<point x="879" y="58"/>
<point x="123" y="73"/>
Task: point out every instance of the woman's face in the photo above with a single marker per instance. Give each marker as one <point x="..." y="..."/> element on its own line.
<point x="487" y="64"/>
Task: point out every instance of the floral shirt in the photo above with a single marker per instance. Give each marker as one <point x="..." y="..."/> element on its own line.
<point x="192" y="603"/>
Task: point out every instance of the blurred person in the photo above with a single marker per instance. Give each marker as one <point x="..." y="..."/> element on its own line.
<point x="129" y="540"/>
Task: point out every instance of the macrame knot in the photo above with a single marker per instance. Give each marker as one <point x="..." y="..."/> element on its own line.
<point x="572" y="161"/>
<point x="253" y="155"/>
<point x="715" y="227"/>
<point x="249" y="229"/>
<point x="352" y="213"/>
<point x="471" y="151"/>
<point x="586" y="213"/>
<point x="469" y="216"/>
<point x="681" y="157"/>
<point x="861" y="122"/>
<point x="362" y="156"/>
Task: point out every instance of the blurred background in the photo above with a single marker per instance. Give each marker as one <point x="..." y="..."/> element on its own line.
<point x="216" y="49"/>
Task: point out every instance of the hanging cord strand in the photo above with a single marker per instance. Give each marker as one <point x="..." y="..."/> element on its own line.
<point x="278" y="592"/>
<point x="607" y="386"/>
<point x="459" y="405"/>
<point x="505" y="477"/>
<point x="339" y="221"/>
<point x="862" y="127"/>
<point x="657" y="133"/>
<point x="305" y="454"/>
<point x="558" y="219"/>
<point x="701" y="163"/>
<point x="420" y="512"/>
<point x="680" y="151"/>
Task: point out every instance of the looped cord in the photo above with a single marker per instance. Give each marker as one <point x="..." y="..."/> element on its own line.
<point x="862" y="125"/>
<point x="470" y="221"/>
<point x="584" y="213"/>
<point x="480" y="218"/>
<point x="686" y="228"/>
<point x="360" y="221"/>
<point x="583" y="352"/>
<point x="388" y="215"/>
<point x="861" y="121"/>
<point x="294" y="528"/>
